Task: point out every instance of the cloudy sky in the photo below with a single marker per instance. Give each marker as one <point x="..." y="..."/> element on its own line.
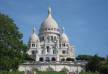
<point x="85" y="21"/>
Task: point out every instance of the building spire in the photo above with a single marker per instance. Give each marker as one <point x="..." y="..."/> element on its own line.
<point x="63" y="30"/>
<point x="34" y="29"/>
<point x="49" y="10"/>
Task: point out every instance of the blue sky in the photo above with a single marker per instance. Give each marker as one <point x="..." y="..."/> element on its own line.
<point x="85" y="21"/>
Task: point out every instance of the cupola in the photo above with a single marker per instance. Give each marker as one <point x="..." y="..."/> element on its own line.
<point x="49" y="24"/>
<point x="64" y="38"/>
<point x="34" y="37"/>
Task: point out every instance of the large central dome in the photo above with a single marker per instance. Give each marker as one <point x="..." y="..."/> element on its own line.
<point x="49" y="24"/>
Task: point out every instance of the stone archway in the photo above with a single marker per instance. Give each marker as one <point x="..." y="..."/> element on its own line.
<point x="41" y="59"/>
<point x="53" y="59"/>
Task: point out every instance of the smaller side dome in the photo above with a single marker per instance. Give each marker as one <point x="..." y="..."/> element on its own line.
<point x="34" y="38"/>
<point x="64" y="38"/>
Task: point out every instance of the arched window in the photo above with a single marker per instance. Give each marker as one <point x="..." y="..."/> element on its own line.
<point x="52" y="38"/>
<point x="48" y="49"/>
<point x="33" y="45"/>
<point x="41" y="59"/>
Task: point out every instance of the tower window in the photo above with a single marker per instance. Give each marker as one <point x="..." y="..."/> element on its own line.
<point x="33" y="45"/>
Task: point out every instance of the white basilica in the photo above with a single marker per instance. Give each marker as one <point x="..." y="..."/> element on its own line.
<point x="51" y="49"/>
<point x="51" y="44"/>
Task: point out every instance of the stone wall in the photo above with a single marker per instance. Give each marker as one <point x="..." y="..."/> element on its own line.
<point x="52" y="67"/>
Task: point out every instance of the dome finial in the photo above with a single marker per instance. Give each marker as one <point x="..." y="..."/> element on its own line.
<point x="62" y="29"/>
<point x="49" y="10"/>
<point x="34" y="29"/>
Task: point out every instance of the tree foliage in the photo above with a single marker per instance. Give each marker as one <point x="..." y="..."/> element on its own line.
<point x="11" y="45"/>
<point x="103" y="69"/>
<point x="84" y="57"/>
<point x="95" y="63"/>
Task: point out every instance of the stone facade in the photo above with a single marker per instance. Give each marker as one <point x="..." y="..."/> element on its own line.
<point x="51" y="44"/>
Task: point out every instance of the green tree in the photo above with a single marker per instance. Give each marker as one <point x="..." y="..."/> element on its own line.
<point x="11" y="44"/>
<point x="94" y="63"/>
<point x="84" y="57"/>
<point x="103" y="68"/>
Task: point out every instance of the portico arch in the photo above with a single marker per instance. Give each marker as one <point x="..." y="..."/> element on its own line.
<point x="53" y="59"/>
<point x="41" y="59"/>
